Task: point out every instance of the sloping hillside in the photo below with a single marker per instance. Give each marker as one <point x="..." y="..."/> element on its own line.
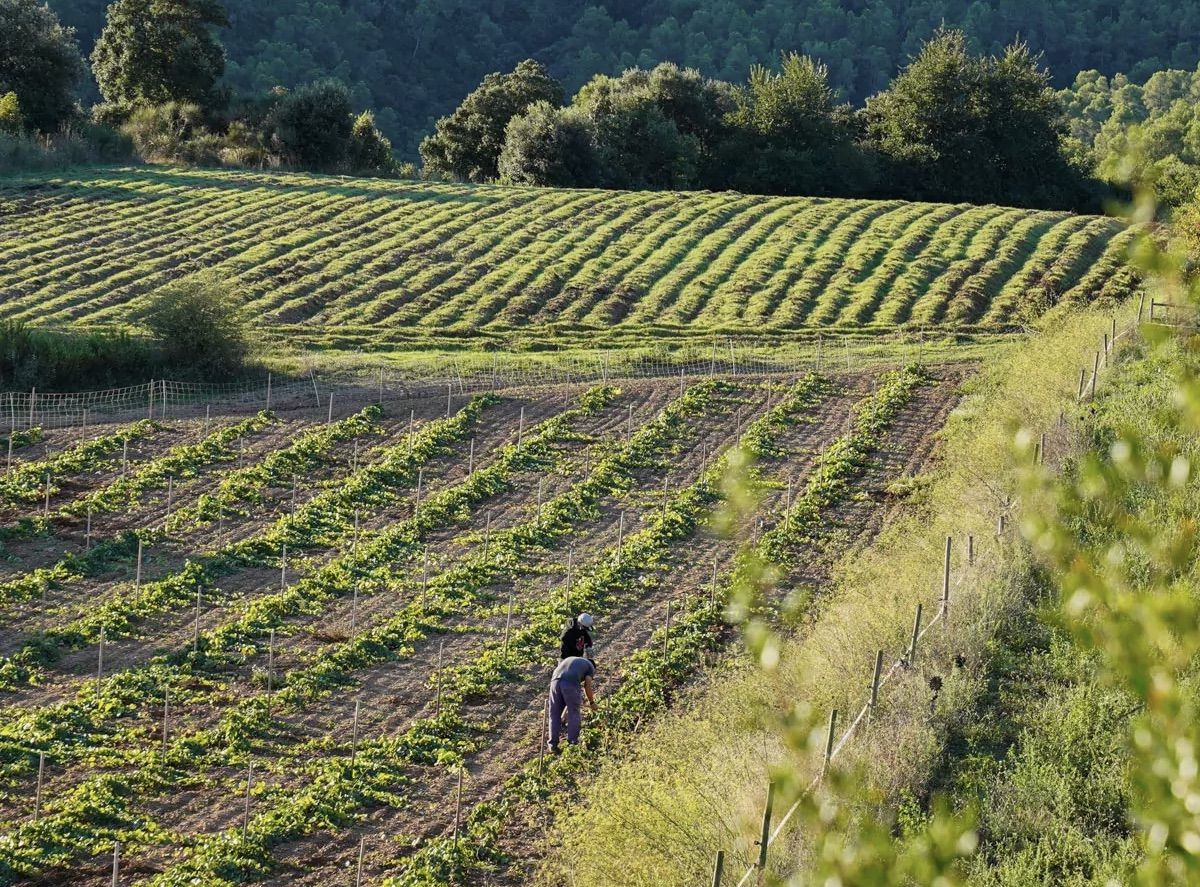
<point x="347" y="255"/>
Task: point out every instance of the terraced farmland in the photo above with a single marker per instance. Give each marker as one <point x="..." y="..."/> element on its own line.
<point x="362" y="258"/>
<point x="253" y="652"/>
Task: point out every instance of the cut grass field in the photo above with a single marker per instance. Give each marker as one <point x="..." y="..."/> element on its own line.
<point x="367" y="260"/>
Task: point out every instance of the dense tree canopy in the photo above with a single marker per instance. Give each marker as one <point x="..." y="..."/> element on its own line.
<point x="1159" y="119"/>
<point x="156" y="51"/>
<point x="39" y="63"/>
<point x="467" y="143"/>
<point x="414" y="60"/>
<point x="953" y="126"/>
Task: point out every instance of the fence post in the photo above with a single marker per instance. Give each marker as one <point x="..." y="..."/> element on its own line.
<point x="875" y="676"/>
<point x="946" y="579"/>
<point x="916" y="632"/>
<point x="268" y="391"/>
<point x="828" y="745"/>
<point x="1095" y="373"/>
<point x="1082" y="382"/>
<point x="766" y="831"/>
<point x="970" y="550"/>
<point x="150" y="408"/>
<point x="718" y="868"/>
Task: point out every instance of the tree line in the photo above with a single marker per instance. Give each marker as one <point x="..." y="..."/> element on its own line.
<point x="952" y="126"/>
<point x="159" y="68"/>
<point x="414" y="60"/>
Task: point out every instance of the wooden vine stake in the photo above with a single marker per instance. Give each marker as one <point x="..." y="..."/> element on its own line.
<point x="37" y="797"/>
<point x="458" y="806"/>
<point x="196" y="627"/>
<point x="329" y="416"/>
<point x="542" y="748"/>
<point x="1095" y="373"/>
<point x="620" y="537"/>
<point x="437" y="707"/>
<point x="362" y="842"/>
<point x="283" y="568"/>
<point x="507" y="627"/>
<point x="412" y="415"/>
<point x="46" y="507"/>
<point x="270" y="671"/>
<point x="125" y="458"/>
<point x="166" y="718"/>
<point x="87" y="539"/>
<point x="246" y="812"/>
<point x="667" y="632"/>
<point x="100" y="661"/>
<point x="970" y="550"/>
<point x="471" y="460"/>
<point x="521" y="429"/>
<point x="354" y="737"/>
<point x="116" y="871"/>
<point x="449" y="392"/>
<point x="137" y="580"/>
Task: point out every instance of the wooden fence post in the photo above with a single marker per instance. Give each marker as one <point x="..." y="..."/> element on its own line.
<point x="875" y="676"/>
<point x="766" y="831"/>
<point x="718" y="868"/>
<point x="1095" y="373"/>
<point x="916" y="632"/>
<point x="828" y="745"/>
<point x="946" y="579"/>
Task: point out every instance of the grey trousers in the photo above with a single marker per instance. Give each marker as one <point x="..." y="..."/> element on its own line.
<point x="566" y="697"/>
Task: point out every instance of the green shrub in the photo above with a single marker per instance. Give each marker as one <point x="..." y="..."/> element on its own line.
<point x="10" y="114"/>
<point x="200" y="326"/>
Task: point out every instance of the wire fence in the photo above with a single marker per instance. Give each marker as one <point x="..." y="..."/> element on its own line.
<point x="163" y="399"/>
<point x="902" y="664"/>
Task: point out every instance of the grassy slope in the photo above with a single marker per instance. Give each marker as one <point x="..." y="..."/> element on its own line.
<point x="697" y="782"/>
<point x="404" y="261"/>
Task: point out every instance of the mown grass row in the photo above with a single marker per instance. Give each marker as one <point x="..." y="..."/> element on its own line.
<point x="437" y="257"/>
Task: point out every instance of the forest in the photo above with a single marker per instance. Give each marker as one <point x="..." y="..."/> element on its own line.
<point x="412" y="61"/>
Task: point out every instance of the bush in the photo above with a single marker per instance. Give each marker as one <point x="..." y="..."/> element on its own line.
<point x="369" y="150"/>
<point x="162" y="132"/>
<point x="312" y="126"/>
<point x="10" y="114"/>
<point x="199" y="323"/>
<point x="61" y="360"/>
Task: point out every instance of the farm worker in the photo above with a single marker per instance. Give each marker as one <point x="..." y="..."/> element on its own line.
<point x="572" y="679"/>
<point x="577" y="639"/>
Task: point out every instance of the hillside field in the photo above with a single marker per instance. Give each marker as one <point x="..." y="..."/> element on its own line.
<point x="373" y="260"/>
<point x="342" y="611"/>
